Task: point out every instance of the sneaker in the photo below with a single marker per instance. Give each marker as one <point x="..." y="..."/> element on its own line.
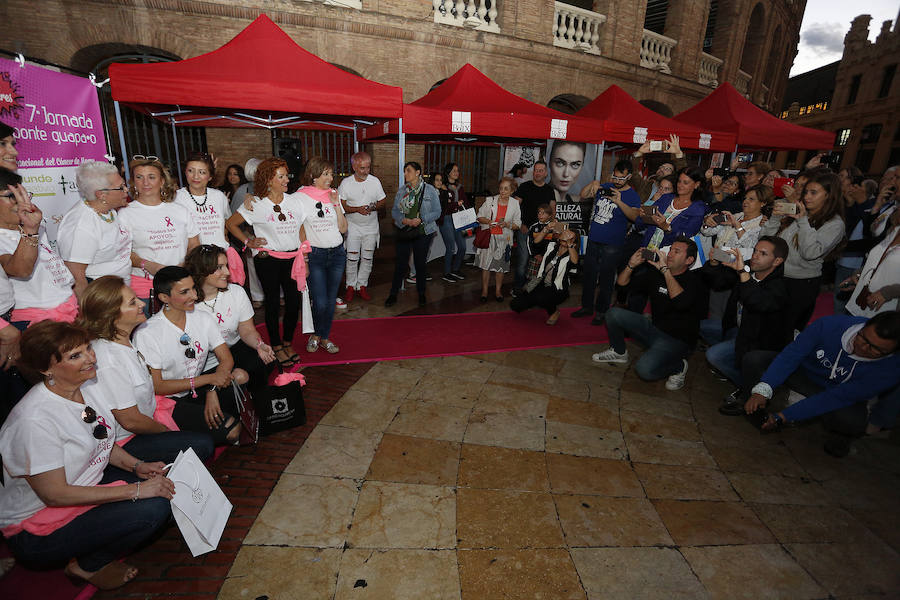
<point x="391" y="300"/>
<point x="411" y="279"/>
<point x="610" y="356"/>
<point x="340" y="304"/>
<point x="428" y="278"/>
<point x="732" y="405"/>
<point x="448" y="278"/>
<point x="581" y="312"/>
<point x="458" y="275"/>
<point x="676" y="381"/>
<point x="348" y="295"/>
<point x="364" y="293"/>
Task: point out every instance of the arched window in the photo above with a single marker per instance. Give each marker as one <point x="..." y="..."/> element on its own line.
<point x="568" y="103"/>
<point x="755" y="39"/>
<point x="658" y="107"/>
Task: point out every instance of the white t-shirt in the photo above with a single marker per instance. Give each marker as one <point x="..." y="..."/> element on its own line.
<point x="45" y="432"/>
<point x="158" y="233"/>
<point x="84" y="237"/>
<point x="7" y="297"/>
<point x="322" y="232"/>
<point x="210" y="217"/>
<point x="229" y="308"/>
<point x="361" y="193"/>
<point x="50" y="282"/>
<point x="282" y="236"/>
<point x="158" y="341"/>
<point x="123" y="380"/>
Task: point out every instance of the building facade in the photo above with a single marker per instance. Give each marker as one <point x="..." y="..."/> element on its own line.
<point x="666" y="53"/>
<point x="858" y="99"/>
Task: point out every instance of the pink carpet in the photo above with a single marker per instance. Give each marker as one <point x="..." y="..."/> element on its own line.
<point x="396" y="338"/>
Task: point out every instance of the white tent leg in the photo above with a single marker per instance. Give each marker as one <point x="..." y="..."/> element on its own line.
<point x="121" y="139"/>
<point x="599" y="170"/>
<point x="401" y="150"/>
<point x="355" y="139"/>
<point x="502" y="161"/>
<point x="177" y="156"/>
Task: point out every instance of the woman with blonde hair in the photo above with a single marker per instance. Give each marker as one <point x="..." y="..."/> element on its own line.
<point x="502" y="216"/>
<point x="162" y="231"/>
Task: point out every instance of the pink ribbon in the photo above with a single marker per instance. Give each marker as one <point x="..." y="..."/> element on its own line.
<point x="286" y="378"/>
<point x="163" y="412"/>
<point x="212" y="210"/>
<point x="198" y="347"/>
<point x="219" y="316"/>
<point x="298" y="269"/>
<point x="235" y="266"/>
<point x="169" y="222"/>
<point x="64" y="313"/>
<point x="102" y="421"/>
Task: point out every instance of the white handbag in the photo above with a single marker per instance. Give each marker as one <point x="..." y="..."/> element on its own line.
<point x="464" y="219"/>
<point x="199" y="505"/>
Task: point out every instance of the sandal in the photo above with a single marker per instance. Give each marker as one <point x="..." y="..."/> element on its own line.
<point x="330" y="347"/>
<point x="112" y="576"/>
<point x="287" y="359"/>
<point x="312" y="345"/>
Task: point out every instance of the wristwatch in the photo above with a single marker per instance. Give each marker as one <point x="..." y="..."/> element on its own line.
<point x="746" y="268"/>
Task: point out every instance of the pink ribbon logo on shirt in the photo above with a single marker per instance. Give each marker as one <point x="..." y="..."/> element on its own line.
<point x="219" y="315"/>
<point x="198" y="347"/>
<point x="212" y="210"/>
<point x="169" y="222"/>
<point x="102" y="421"/>
<point x="290" y="215"/>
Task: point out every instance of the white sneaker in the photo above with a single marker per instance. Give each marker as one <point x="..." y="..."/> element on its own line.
<point x="610" y="356"/>
<point x="676" y="381"/>
<point x="340" y="304"/>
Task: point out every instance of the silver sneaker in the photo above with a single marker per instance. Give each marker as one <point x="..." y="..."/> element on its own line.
<point x="676" y="381"/>
<point x="610" y="356"/>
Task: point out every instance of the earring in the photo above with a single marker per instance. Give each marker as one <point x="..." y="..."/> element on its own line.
<point x="50" y="378"/>
<point x="165" y="306"/>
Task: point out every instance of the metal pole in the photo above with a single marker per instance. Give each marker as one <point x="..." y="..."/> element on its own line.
<point x="502" y="161"/>
<point x="401" y="150"/>
<point x="598" y="171"/>
<point x="355" y="140"/>
<point x="177" y="154"/>
<point x="121" y="139"/>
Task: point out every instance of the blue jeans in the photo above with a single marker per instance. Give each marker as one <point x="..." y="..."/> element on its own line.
<point x="663" y="353"/>
<point x="884" y="412"/>
<point x="326" y="267"/>
<point x="163" y="447"/>
<point x="723" y="358"/>
<point x="96" y="538"/>
<point x="522" y="256"/>
<point x="600" y="265"/>
<point x="453" y="239"/>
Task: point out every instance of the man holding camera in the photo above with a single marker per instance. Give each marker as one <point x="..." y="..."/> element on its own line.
<point x="678" y="302"/>
<point x="616" y="204"/>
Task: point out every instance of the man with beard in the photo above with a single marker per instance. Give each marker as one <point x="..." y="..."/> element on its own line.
<point x="531" y="194"/>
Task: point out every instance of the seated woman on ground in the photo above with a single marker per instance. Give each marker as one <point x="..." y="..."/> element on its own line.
<point x="550" y="287"/>
<point x="110" y="311"/>
<point x="229" y="305"/>
<point x="176" y="342"/>
<point x="57" y="447"/>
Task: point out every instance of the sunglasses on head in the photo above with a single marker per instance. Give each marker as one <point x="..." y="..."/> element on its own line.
<point x="321" y="213"/>
<point x="89" y="415"/>
<point x="185" y="340"/>
<point x="281" y="215"/>
<point x="143" y="157"/>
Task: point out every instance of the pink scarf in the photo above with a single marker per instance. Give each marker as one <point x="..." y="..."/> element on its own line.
<point x="235" y="266"/>
<point x="298" y="268"/>
<point x="64" y="313"/>
<point x="317" y="194"/>
<point x="49" y="519"/>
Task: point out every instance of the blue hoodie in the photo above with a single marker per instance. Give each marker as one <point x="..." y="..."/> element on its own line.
<point x="846" y="379"/>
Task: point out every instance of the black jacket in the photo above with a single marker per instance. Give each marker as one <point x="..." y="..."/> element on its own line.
<point x="764" y="313"/>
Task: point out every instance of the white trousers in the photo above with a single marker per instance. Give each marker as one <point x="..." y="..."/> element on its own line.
<point x="360" y="253"/>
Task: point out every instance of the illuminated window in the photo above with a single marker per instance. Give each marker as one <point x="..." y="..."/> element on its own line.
<point x="803" y="110"/>
<point x="784" y="114"/>
<point x="842" y="137"/>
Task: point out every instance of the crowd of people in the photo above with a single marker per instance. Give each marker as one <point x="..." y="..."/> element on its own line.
<point x="154" y="297"/>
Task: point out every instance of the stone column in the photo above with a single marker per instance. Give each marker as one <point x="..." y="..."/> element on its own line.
<point x="686" y="22"/>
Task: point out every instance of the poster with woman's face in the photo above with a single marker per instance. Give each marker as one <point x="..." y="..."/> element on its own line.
<point x="571" y="166"/>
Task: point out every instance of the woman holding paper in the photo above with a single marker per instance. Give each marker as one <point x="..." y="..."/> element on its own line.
<point x="57" y="445"/>
<point x="501" y="215"/>
<point x="453" y="200"/>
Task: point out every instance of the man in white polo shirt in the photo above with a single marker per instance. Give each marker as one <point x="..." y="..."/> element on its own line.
<point x="362" y="197"/>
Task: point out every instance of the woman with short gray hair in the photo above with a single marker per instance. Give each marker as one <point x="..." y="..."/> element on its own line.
<point x="89" y="238"/>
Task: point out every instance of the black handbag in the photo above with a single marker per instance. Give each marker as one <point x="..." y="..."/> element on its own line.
<point x="248" y="415"/>
<point x="281" y="409"/>
<point x="408" y="233"/>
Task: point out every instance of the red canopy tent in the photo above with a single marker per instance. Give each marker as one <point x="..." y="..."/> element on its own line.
<point x="628" y="121"/>
<point x="471" y="105"/>
<point x="261" y="78"/>
<point x="725" y="109"/>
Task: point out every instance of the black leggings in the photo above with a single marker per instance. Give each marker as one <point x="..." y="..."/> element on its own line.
<point x="543" y="296"/>
<point x="189" y="413"/>
<point x="248" y="359"/>
<point x="275" y="277"/>
<point x="803" y="294"/>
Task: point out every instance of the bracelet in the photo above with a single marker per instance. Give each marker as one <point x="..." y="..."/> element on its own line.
<point x="134" y="468"/>
<point x="137" y="493"/>
<point x="663" y="269"/>
<point x="259" y="343"/>
<point x="144" y="269"/>
<point x="30" y="241"/>
<point x="193" y="391"/>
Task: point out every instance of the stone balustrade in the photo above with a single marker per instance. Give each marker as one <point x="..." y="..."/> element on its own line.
<point x="480" y="14"/>
<point x="709" y="70"/>
<point x="656" y="51"/>
<point x="577" y="28"/>
<point x="742" y="82"/>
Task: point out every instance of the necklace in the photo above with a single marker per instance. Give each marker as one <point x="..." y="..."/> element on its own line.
<point x="201" y="206"/>
<point x="110" y="218"/>
<point x="213" y="305"/>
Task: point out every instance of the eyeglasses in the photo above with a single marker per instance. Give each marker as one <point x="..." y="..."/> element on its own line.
<point x="89" y="415"/>
<point x="142" y="157"/>
<point x="620" y="178"/>
<point x="321" y="212"/>
<point x="12" y="196"/>
<point x="281" y="215"/>
<point x="875" y="349"/>
<point x="121" y="188"/>
<point x="185" y="340"/>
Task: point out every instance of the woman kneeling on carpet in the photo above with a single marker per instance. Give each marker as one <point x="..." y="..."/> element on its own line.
<point x="550" y="287"/>
<point x="229" y="305"/>
<point x="176" y="342"/>
<point x="110" y="311"/>
<point x="57" y="447"/>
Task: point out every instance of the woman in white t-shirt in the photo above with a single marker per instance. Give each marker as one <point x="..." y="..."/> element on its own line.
<point x="56" y="445"/>
<point x="229" y="305"/>
<point x="90" y="238"/>
<point x="40" y="280"/>
<point x="208" y="206"/>
<point x="175" y="343"/>
<point x="276" y="217"/>
<point x="110" y="311"/>
<point x="162" y="231"/>
<point x="324" y="224"/>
